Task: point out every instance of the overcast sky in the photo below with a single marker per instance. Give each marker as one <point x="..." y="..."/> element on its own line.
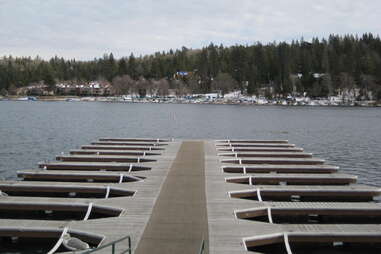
<point x="84" y="29"/>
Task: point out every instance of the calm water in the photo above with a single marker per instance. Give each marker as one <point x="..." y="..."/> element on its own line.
<point x="35" y="131"/>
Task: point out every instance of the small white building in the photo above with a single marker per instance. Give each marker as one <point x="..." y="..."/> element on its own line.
<point x="233" y="95"/>
<point x="212" y="96"/>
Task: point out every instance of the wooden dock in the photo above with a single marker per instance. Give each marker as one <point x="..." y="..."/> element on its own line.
<point x="170" y="196"/>
<point x="285" y="204"/>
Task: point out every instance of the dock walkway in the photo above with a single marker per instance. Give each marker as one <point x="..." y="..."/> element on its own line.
<point x="179" y="219"/>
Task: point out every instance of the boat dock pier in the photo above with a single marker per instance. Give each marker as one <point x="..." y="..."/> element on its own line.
<point x="189" y="196"/>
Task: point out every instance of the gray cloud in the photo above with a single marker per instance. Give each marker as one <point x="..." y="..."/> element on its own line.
<point x="85" y="29"/>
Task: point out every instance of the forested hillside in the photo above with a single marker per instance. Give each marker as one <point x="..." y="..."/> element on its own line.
<point x="319" y="67"/>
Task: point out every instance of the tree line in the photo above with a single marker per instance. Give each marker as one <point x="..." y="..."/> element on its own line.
<point x="318" y="68"/>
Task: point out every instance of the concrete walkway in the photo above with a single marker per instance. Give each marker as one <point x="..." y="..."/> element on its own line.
<point x="179" y="219"/>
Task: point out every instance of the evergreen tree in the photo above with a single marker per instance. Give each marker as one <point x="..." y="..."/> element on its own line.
<point x="272" y="65"/>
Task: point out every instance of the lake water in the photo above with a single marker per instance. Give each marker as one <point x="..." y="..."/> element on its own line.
<point x="36" y="131"/>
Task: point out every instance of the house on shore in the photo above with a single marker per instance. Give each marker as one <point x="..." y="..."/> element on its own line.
<point x="93" y="88"/>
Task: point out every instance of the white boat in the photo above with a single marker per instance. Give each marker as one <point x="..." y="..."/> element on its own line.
<point x="72" y="99"/>
<point x="22" y="99"/>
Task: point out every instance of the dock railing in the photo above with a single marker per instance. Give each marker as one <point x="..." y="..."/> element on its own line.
<point x="113" y="246"/>
<point x="203" y="249"/>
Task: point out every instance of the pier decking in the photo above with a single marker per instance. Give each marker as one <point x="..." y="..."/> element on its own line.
<point x="170" y="196"/>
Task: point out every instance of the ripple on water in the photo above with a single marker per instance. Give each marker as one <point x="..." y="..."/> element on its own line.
<point x="37" y="131"/>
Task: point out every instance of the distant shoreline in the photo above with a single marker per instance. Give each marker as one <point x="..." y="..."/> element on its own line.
<point x="171" y="101"/>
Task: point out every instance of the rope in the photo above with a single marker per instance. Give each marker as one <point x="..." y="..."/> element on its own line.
<point x="269" y="215"/>
<point x="259" y="195"/>
<point x="59" y="242"/>
<point x="107" y="191"/>
<point x="88" y="211"/>
<point x="130" y="169"/>
<point x="121" y="178"/>
<point x="287" y="244"/>
<point x="244" y="170"/>
<point x="240" y="161"/>
<point x="250" y="180"/>
<point x="138" y="159"/>
<point x="144" y="154"/>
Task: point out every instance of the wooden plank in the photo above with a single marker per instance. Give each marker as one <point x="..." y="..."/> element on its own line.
<point x="296" y="169"/>
<point x="113" y="152"/>
<point x="52" y="190"/>
<point x="292" y="179"/>
<point x="348" y="209"/>
<point x="254" y="145"/>
<point x="307" y="193"/>
<point x="314" y="238"/>
<point x="103" y="158"/>
<point x="266" y="154"/>
<point x="46" y="175"/>
<point x="260" y="149"/>
<point x="275" y="161"/>
<point x="158" y="140"/>
<point x="115" y="147"/>
<point x="253" y="141"/>
<point x="111" y="143"/>
<point x="38" y="231"/>
<point x="57" y="206"/>
<point x="105" y="166"/>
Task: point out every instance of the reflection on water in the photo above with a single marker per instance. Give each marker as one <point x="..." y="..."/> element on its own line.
<point x="35" y="131"/>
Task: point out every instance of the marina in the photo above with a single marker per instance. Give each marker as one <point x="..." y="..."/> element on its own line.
<point x="218" y="127"/>
<point x="189" y="196"/>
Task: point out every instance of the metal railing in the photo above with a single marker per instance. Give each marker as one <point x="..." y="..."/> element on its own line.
<point x="113" y="246"/>
<point x="203" y="249"/>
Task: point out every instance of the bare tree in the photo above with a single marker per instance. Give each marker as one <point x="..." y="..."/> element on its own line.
<point x="151" y="87"/>
<point x="123" y="85"/>
<point x="141" y="87"/>
<point x="163" y="87"/>
<point x="194" y="83"/>
<point x="181" y="88"/>
<point x="3" y="92"/>
<point x="12" y="90"/>
<point x="347" y="84"/>
<point x="224" y="83"/>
